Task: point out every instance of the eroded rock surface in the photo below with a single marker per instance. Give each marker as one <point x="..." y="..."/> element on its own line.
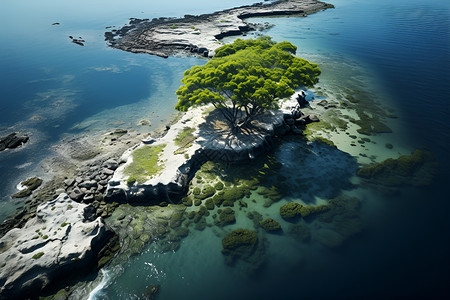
<point x="63" y="237"/>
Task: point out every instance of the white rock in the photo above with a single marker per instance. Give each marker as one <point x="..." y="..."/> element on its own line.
<point x="59" y="238"/>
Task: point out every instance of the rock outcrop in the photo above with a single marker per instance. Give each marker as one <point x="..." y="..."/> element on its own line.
<point x="12" y="141"/>
<point x="176" y="164"/>
<point x="27" y="187"/>
<point x="65" y="236"/>
<point x="200" y="35"/>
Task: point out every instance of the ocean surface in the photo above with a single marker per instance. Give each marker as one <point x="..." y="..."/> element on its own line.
<point x="396" y="51"/>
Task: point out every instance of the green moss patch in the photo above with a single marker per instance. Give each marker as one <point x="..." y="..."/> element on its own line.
<point x="185" y="138"/>
<point x="370" y="124"/>
<point x="38" y="255"/>
<point x="145" y="163"/>
<point x="131" y="181"/>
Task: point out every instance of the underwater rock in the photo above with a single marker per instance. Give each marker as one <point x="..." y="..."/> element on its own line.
<point x="308" y="211"/>
<point x="151" y="292"/>
<point x="176" y="219"/>
<point x="340" y="222"/>
<point x="273" y="193"/>
<point x="290" y="210"/>
<point x="144" y="122"/>
<point x="238" y="238"/>
<point x="256" y="217"/>
<point x="243" y="246"/>
<point x="270" y="225"/>
<point x="417" y="169"/>
<point x="226" y="216"/>
<point x="299" y="232"/>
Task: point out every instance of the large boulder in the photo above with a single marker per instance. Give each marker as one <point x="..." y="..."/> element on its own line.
<point x="63" y="240"/>
<point x="12" y="141"/>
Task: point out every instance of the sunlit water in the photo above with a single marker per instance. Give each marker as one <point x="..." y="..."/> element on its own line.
<point x="396" y="50"/>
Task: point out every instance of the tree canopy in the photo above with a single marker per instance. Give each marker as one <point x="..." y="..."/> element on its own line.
<point x="246" y="78"/>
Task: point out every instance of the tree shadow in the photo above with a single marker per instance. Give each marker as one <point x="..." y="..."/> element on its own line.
<point x="217" y="130"/>
<point x="292" y="167"/>
<point x="311" y="170"/>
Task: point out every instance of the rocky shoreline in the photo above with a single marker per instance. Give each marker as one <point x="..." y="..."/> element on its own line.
<point x="91" y="176"/>
<point x="201" y="35"/>
<point x="62" y="237"/>
<point x="210" y="140"/>
<point x="89" y="173"/>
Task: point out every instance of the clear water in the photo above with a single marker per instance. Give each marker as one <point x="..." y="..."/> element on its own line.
<point x="51" y="88"/>
<point x="399" y="50"/>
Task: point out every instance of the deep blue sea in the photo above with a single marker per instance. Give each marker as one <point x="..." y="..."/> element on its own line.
<point x="398" y="50"/>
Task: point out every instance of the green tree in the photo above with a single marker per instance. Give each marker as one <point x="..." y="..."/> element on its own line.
<point x="246" y="78"/>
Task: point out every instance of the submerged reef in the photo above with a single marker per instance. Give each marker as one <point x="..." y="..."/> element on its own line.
<point x="290" y="210"/>
<point x="270" y="225"/>
<point x="238" y="238"/>
<point x="339" y="222"/>
<point x="244" y="247"/>
<point x="417" y="169"/>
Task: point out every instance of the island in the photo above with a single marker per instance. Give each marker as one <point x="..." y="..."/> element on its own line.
<point x="201" y="35"/>
<point x="111" y="198"/>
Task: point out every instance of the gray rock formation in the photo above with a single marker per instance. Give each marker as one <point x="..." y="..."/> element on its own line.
<point x="12" y="141"/>
<point x="64" y="237"/>
<point x="200" y="35"/>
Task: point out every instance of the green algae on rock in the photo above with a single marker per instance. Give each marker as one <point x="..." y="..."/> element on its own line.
<point x="273" y="193"/>
<point x="139" y="226"/>
<point x="290" y="210"/>
<point x="417" y="169"/>
<point x="29" y="186"/>
<point x="323" y="140"/>
<point x="226" y="216"/>
<point x="225" y="184"/>
<point x="246" y="248"/>
<point x="307" y="211"/>
<point x="239" y="237"/>
<point x="270" y="225"/>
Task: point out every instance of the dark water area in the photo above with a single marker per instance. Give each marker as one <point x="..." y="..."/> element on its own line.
<point x="405" y="252"/>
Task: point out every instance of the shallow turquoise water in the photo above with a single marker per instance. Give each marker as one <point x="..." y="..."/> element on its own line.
<point x="397" y="50"/>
